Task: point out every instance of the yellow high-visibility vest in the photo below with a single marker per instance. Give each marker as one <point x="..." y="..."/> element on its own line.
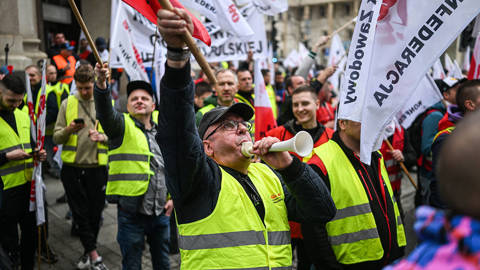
<point x="233" y="236"/>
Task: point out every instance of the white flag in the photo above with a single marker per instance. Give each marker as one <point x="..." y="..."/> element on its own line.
<point x="449" y="66"/>
<point x="438" y="71"/>
<point x="354" y="87"/>
<point x="425" y="96"/>
<point x="457" y="71"/>
<point x="271" y="7"/>
<point x="231" y="47"/>
<point x="406" y="44"/>
<point x="466" y="59"/>
<point x="223" y="13"/>
<point x="292" y="59"/>
<point x="336" y="57"/>
<point x="230" y="19"/>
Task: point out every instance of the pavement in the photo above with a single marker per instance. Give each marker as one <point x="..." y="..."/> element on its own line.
<point x="69" y="248"/>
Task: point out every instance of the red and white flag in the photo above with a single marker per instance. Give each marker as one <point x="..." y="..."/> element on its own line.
<point x="406" y="44"/>
<point x="230" y="19"/>
<point x="438" y="73"/>
<point x="264" y="119"/>
<point x="124" y="44"/>
<point x="37" y="188"/>
<point x="474" y="72"/>
<point x="150" y="8"/>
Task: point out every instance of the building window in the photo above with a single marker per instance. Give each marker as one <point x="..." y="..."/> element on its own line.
<point x="347" y="9"/>
<point x="322" y="11"/>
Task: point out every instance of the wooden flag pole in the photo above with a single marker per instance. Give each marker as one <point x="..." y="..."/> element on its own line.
<point x="187" y="37"/>
<point x="343" y="27"/>
<point x="85" y="30"/>
<point x="404" y="169"/>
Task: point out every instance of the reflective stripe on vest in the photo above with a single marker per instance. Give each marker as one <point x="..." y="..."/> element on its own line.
<point x="69" y="149"/>
<point x="129" y="165"/>
<point x="353" y="232"/>
<point x="445" y="131"/>
<point x="18" y="172"/>
<point x="234" y="231"/>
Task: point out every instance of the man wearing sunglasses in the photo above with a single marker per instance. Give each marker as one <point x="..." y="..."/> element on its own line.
<point x="231" y="213"/>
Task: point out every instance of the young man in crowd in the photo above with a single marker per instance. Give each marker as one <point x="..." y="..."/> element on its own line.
<point x="136" y="173"/>
<point x="467" y="101"/>
<point x="304" y="104"/>
<point x="291" y="83"/>
<point x="84" y="157"/>
<point x="16" y="168"/>
<point x="231" y="213"/>
<point x="202" y="91"/>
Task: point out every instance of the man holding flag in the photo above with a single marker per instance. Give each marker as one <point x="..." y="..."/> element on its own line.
<point x="231" y="213"/>
<point x="16" y="167"/>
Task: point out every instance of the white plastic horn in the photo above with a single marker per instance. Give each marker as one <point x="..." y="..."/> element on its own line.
<point x="302" y="144"/>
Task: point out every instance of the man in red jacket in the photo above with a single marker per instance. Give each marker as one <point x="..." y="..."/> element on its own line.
<point x="304" y="106"/>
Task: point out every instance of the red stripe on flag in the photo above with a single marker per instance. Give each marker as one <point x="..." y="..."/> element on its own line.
<point x="264" y="121"/>
<point x="149" y="9"/>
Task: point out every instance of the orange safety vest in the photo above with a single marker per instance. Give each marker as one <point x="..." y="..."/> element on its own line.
<point x="62" y="63"/>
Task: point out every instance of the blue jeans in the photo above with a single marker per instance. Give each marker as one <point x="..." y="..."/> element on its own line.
<point x="132" y="229"/>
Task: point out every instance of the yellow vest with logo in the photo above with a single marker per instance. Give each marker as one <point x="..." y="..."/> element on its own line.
<point x="69" y="150"/>
<point x="353" y="232"/>
<point x="129" y="165"/>
<point x="233" y="235"/>
<point x="19" y="172"/>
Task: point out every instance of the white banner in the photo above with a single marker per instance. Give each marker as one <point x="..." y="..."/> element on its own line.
<point x="139" y="37"/>
<point x="292" y="60"/>
<point x="425" y="96"/>
<point x="233" y="48"/>
<point x="406" y="44"/>
<point x="337" y="57"/>
<point x="476" y="27"/>
<point x="353" y="89"/>
<point x="271" y="7"/>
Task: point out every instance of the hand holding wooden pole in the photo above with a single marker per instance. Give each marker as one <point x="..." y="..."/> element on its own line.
<point x="187" y="37"/>
<point x="404" y="169"/>
<point x="85" y="30"/>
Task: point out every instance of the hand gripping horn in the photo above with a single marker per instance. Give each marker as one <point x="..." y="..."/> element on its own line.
<point x="302" y="144"/>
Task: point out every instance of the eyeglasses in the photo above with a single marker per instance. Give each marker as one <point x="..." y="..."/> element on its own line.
<point x="230" y="125"/>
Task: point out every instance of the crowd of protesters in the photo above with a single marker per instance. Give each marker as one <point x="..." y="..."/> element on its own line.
<point x="233" y="212"/>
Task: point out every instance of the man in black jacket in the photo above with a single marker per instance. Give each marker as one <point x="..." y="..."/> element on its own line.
<point x="367" y="231"/>
<point x="208" y="174"/>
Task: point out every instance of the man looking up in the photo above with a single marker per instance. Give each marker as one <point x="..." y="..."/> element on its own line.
<point x="16" y="168"/>
<point x="136" y="173"/>
<point x="226" y="89"/>
<point x="367" y="232"/>
<point x="232" y="213"/>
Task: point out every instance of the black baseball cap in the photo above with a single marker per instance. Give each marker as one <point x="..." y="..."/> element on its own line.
<point x="135" y="85"/>
<point x="216" y="114"/>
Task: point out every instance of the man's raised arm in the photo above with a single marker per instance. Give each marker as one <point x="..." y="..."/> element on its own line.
<point x="186" y="164"/>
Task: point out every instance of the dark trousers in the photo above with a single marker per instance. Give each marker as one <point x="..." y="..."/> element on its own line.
<point x="132" y="229"/>
<point x="15" y="212"/>
<point x="85" y="189"/>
